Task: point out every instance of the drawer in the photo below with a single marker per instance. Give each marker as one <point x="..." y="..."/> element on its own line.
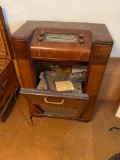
<point x="8" y="84"/>
<point x="58" y="104"/>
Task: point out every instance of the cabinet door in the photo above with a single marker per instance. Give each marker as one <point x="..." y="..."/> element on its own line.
<point x="56" y="104"/>
<point x="8" y="86"/>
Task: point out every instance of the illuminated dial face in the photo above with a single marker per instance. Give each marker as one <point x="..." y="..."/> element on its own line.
<point x="59" y="37"/>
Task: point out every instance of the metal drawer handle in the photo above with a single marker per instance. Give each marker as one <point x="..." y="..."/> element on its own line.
<point x="45" y="99"/>
<point x="4" y="83"/>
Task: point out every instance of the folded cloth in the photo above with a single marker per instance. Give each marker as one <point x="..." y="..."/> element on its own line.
<point x="51" y="77"/>
<point x="78" y="76"/>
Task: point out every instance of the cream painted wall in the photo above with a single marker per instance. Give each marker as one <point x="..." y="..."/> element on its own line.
<point x="105" y="11"/>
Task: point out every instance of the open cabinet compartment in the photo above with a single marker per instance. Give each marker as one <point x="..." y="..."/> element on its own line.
<point x="45" y="100"/>
<point x="8" y="79"/>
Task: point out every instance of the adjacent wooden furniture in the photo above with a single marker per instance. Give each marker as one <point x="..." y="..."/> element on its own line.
<point x="8" y="79"/>
<point x="92" y="48"/>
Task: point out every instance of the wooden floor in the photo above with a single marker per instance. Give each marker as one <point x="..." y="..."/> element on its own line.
<point x="59" y="139"/>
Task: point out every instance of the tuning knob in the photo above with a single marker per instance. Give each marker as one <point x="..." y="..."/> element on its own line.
<point x="41" y="34"/>
<point x="81" y="36"/>
<point x="81" y="41"/>
<point x="40" y="39"/>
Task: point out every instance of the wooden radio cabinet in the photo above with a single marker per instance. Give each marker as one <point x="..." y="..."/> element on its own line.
<point x="42" y="45"/>
<point x="8" y="79"/>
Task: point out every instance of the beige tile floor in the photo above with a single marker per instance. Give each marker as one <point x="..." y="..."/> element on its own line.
<point x="59" y="139"/>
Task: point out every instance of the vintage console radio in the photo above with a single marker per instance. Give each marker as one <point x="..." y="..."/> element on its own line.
<point x="61" y="65"/>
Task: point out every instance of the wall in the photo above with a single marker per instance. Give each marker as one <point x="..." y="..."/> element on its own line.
<point x="107" y="12"/>
<point x="110" y="87"/>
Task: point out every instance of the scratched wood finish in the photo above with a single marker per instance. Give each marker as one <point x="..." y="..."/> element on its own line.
<point x="101" y="45"/>
<point x="96" y="73"/>
<point x="26" y="73"/>
<point x="100" y="54"/>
